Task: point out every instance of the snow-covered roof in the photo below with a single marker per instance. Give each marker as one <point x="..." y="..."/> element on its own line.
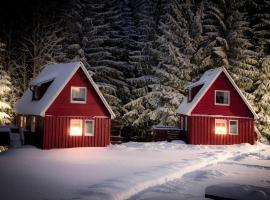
<point x="207" y="80"/>
<point x="60" y="74"/>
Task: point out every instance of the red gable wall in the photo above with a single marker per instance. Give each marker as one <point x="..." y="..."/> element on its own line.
<point x="207" y="105"/>
<point x="93" y="107"/>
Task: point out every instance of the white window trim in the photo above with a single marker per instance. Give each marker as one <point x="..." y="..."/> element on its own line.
<point x="89" y="134"/>
<point x="226" y="125"/>
<point x="80" y="102"/>
<point x="236" y="129"/>
<point x="222" y="104"/>
<point x="182" y="122"/>
<point x="81" y="126"/>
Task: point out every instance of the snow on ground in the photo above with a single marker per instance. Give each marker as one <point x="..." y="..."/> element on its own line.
<point x="131" y="170"/>
<point x="246" y="169"/>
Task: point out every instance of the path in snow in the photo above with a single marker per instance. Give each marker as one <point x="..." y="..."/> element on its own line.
<point x="246" y="169"/>
<point x="114" y="172"/>
<point x="127" y="186"/>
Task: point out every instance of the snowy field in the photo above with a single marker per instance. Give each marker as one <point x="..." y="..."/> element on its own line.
<point x="130" y="171"/>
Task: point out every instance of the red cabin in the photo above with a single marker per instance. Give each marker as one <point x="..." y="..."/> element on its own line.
<point x="63" y="107"/>
<point x="216" y="111"/>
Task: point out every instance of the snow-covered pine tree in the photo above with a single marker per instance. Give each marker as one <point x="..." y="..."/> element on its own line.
<point x="103" y="51"/>
<point x="263" y="97"/>
<point x="226" y="31"/>
<point x="162" y="87"/>
<point x="75" y="32"/>
<point x="142" y="58"/>
<point x="5" y="89"/>
<point x="261" y="25"/>
<point x="227" y="36"/>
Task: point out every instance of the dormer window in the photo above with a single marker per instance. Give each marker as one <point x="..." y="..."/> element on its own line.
<point x="78" y="94"/>
<point x="222" y="97"/>
<point x="39" y="90"/>
<point x="192" y="92"/>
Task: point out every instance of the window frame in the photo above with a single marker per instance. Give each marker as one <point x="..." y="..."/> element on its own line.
<point x="85" y="95"/>
<point x="33" y="124"/>
<point x="226" y="125"/>
<point x="89" y="134"/>
<point x="237" y="127"/>
<point x="222" y="104"/>
<point x="81" y="125"/>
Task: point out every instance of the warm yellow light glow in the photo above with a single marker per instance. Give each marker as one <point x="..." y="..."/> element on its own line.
<point x="75" y="131"/>
<point x="75" y="127"/>
<point x="220" y="126"/>
<point x="220" y="130"/>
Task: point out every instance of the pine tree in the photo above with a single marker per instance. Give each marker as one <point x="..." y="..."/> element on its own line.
<point x="179" y="36"/>
<point x="5" y="89"/>
<point x="263" y="97"/>
<point x="75" y="32"/>
<point x="261" y="25"/>
<point x="142" y="60"/>
<point x="104" y="53"/>
<point x="226" y="32"/>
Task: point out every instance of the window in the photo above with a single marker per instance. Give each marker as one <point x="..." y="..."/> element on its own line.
<point x="75" y="127"/>
<point x="89" y="128"/>
<point x="22" y="121"/>
<point x="222" y="97"/>
<point x="78" y="94"/>
<point x="220" y="126"/>
<point x="38" y="91"/>
<point x="233" y="127"/>
<point x="33" y="124"/>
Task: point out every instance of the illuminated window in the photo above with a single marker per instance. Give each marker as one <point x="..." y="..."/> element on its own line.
<point x="89" y="128"/>
<point x="22" y="121"/>
<point x="220" y="126"/>
<point x="33" y="124"/>
<point x="78" y="94"/>
<point x="222" y="97"/>
<point x="76" y="127"/>
<point x="233" y="127"/>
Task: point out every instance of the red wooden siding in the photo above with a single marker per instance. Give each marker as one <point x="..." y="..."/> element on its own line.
<point x="56" y="133"/>
<point x="207" y="105"/>
<point x="62" y="106"/>
<point x="202" y="131"/>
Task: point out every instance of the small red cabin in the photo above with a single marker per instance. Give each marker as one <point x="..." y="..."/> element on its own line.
<point x="216" y="112"/>
<point x="63" y="107"/>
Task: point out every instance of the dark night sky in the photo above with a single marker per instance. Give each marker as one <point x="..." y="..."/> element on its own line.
<point x="16" y="16"/>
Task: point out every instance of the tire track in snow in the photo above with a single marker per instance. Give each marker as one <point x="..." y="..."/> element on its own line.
<point x="128" y="186"/>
